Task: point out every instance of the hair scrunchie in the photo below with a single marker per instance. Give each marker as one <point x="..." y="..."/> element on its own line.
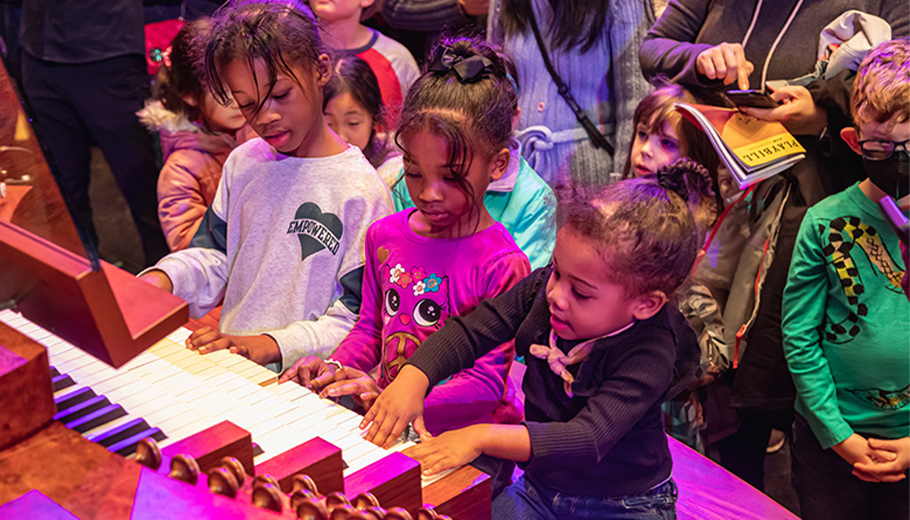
<point x="673" y="177"/>
<point x="468" y="69"/>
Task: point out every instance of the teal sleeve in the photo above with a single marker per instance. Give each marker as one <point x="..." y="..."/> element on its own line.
<point x="535" y="232"/>
<point x="804" y="305"/>
<point x="528" y="212"/>
<point x="400" y="196"/>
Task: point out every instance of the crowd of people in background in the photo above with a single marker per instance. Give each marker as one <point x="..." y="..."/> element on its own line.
<point x="517" y="170"/>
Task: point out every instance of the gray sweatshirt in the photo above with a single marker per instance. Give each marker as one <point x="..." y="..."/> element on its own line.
<point x="282" y="243"/>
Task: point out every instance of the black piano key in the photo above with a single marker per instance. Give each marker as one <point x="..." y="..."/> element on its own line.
<point x="82" y="409"/>
<point x="73" y="398"/>
<point x="257" y="450"/>
<point x="62" y="381"/>
<point x="97" y="418"/>
<point x="54" y="372"/>
<point x="127" y="446"/>
<point x="123" y="431"/>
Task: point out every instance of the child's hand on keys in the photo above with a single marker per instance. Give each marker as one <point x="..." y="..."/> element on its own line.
<point x="888" y="471"/>
<point x="356" y="383"/>
<point x="310" y="372"/>
<point x="399" y="404"/>
<point x="208" y="339"/>
<point x="450" y="450"/>
<point x="260" y="349"/>
<point x="159" y="279"/>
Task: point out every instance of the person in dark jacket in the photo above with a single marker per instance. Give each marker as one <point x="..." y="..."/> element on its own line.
<point x="84" y="76"/>
<point x="715" y="46"/>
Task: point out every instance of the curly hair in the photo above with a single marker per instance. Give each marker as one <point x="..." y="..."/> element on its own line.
<point x="643" y="228"/>
<point x="694" y="184"/>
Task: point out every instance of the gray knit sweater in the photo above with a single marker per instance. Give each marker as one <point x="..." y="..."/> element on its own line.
<point x="606" y="81"/>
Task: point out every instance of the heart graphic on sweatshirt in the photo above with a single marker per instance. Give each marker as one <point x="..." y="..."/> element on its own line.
<point x="382" y="254"/>
<point x="316" y="230"/>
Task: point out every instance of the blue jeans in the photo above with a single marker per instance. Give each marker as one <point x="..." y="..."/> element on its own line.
<point x="525" y="500"/>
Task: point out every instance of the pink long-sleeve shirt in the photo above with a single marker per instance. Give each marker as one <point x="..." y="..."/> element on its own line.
<point x="411" y="285"/>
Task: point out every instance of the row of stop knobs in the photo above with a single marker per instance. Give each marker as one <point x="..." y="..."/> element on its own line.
<point x="304" y="499"/>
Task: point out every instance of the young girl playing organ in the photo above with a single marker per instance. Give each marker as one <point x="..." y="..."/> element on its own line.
<point x="440" y="260"/>
<point x="603" y="349"/>
<point x="282" y="242"/>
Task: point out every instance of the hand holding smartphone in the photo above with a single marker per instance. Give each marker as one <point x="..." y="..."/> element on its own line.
<point x="751" y="98"/>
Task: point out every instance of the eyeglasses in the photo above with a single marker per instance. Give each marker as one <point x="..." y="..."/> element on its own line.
<point x="877" y="150"/>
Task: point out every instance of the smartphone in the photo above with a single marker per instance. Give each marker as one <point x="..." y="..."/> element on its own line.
<point x="751" y="98"/>
<point x="897" y="219"/>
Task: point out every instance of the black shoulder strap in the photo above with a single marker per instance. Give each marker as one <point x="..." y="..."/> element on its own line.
<point x="596" y="136"/>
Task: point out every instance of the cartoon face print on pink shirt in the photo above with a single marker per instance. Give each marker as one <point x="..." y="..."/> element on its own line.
<point x="414" y="305"/>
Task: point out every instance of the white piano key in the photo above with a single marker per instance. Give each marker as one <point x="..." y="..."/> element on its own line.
<point x="69" y="355"/>
<point x="180" y="335"/>
<point x="65" y="366"/>
<point x="187" y="430"/>
<point x="165" y="347"/>
<point x="179" y="383"/>
<point x="219" y="356"/>
<point x="358" y="463"/>
<point x="28" y="328"/>
<point x="177" y="355"/>
<point x="89" y="371"/>
<point x="231" y="361"/>
<point x="17" y="321"/>
<point x="56" y="347"/>
<point x="39" y="335"/>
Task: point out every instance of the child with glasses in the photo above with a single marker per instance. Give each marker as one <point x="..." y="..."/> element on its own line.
<point x="846" y="322"/>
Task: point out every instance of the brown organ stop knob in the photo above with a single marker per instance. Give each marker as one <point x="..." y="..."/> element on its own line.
<point x="185" y="469"/>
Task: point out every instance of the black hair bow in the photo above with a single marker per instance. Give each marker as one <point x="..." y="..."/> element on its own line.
<point x="468" y="69"/>
<point x="674" y="183"/>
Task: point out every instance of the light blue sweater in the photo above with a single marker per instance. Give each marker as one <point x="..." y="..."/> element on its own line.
<point x="521" y="201"/>
<point x="606" y="82"/>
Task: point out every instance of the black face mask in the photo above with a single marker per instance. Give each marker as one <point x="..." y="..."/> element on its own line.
<point x="891" y="175"/>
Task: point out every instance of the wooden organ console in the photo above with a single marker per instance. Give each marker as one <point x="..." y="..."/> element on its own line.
<point x="105" y="415"/>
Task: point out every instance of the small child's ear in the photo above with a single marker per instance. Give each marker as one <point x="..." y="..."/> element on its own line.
<point x="323" y="70"/>
<point x="190" y="100"/>
<point x="851" y="137"/>
<point x="648" y="304"/>
<point x="500" y="164"/>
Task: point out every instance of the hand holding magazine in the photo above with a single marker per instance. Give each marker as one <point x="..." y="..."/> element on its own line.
<point x="752" y="149"/>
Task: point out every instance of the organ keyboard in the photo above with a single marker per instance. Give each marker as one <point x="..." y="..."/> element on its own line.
<point x="169" y="393"/>
<point x="179" y="392"/>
